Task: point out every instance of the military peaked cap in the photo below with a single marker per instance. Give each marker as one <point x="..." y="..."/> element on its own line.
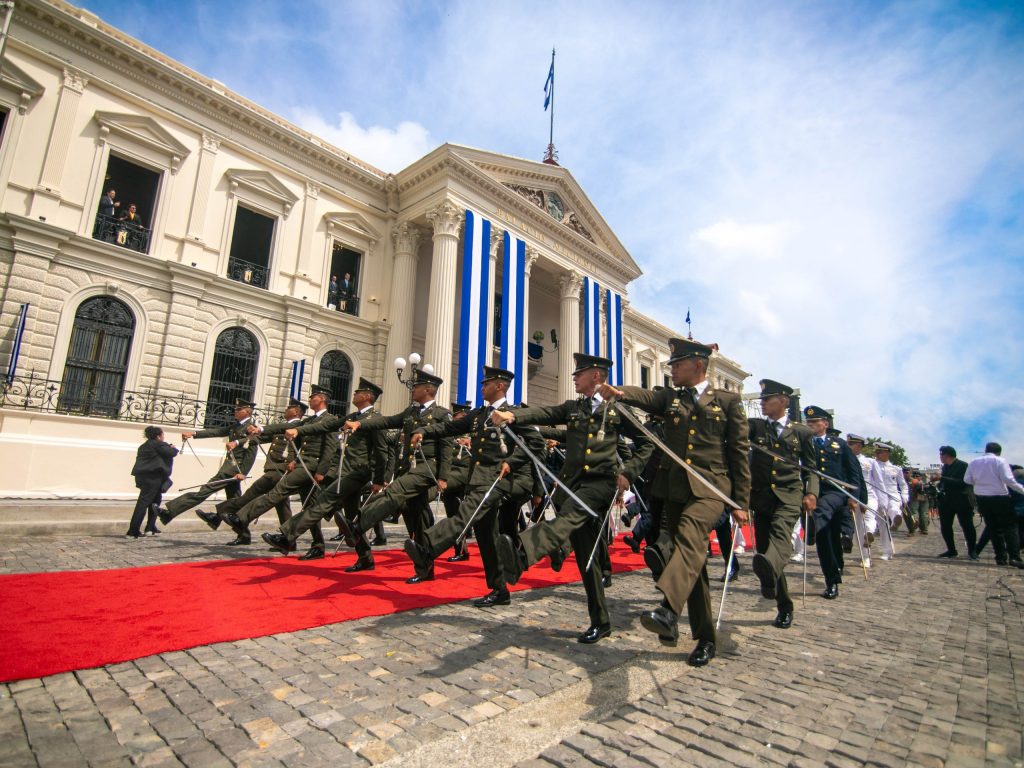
<point x="293" y="403"/>
<point x="852" y="438"/>
<point x="812" y="412"/>
<point x="461" y="407"/>
<point x="684" y="348"/>
<point x="769" y="388"/>
<point x="241" y="402"/>
<point x="365" y="385"/>
<point x="833" y="432"/>
<point x="316" y="389"/>
<point x="422" y="377"/>
<point x="584" y="362"/>
<point x="497" y="373"/>
<point x="882" y="447"/>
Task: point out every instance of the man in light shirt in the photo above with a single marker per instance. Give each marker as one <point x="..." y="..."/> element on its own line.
<point x="991" y="477"/>
<point x="894" y="494"/>
<point x="874" y="482"/>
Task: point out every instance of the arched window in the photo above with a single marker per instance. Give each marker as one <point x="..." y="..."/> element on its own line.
<point x="97" y="358"/>
<point x="336" y="378"/>
<point x="233" y="375"/>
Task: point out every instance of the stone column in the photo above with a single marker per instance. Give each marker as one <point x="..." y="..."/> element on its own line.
<point x="532" y="254"/>
<point x="497" y="238"/>
<point x="569" y="338"/>
<point x="406" y="238"/>
<point x="447" y="220"/>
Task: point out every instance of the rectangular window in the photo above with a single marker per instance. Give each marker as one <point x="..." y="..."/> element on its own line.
<point x="666" y="381"/>
<point x="127" y="206"/>
<point x="645" y="377"/>
<point x="251" y="241"/>
<point x="343" y="288"/>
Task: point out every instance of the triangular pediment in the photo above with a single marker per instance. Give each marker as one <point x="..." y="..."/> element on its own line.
<point x="264" y="184"/>
<point x="145" y="131"/>
<point x="353" y="223"/>
<point x="16" y="80"/>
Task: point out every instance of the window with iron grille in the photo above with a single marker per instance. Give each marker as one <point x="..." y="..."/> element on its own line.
<point x="233" y="375"/>
<point x="97" y="360"/>
<point x="336" y="378"/>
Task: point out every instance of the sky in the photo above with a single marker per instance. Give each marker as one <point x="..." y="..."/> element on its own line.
<point x="834" y="190"/>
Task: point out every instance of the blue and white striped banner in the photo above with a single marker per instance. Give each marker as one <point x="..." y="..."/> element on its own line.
<point x="613" y="310"/>
<point x="19" y="332"/>
<point x="591" y="317"/>
<point x="298" y="374"/>
<point x="475" y="308"/>
<point x="513" y="324"/>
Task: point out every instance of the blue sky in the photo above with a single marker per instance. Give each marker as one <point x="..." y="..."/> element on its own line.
<point x="834" y="189"/>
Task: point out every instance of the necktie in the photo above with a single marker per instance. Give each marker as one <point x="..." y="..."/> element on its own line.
<point x="820" y="442"/>
<point x="692" y="394"/>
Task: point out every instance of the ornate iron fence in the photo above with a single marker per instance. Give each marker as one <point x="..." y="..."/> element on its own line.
<point x="247" y="272"/>
<point x="44" y="396"/>
<point x="123" y="233"/>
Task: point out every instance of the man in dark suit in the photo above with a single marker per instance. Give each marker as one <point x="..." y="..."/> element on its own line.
<point x="955" y="502"/>
<point x="240" y="456"/>
<point x="152" y="470"/>
<point x="345" y="289"/>
<point x="108" y="205"/>
<point x="706" y="428"/>
<point x="835" y="459"/>
<point x="778" y="491"/>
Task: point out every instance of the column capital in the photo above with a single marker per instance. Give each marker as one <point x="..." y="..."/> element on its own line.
<point x="497" y="239"/>
<point x="532" y="254"/>
<point x="446" y="220"/>
<point x="75" y="81"/>
<point x="312" y="190"/>
<point x="210" y="142"/>
<point x="406" y="238"/>
<point x="569" y="284"/>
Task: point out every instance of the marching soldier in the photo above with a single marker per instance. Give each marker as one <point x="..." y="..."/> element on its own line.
<point x="779" y="491"/>
<point x="312" y="461"/>
<point x="894" y="494"/>
<point x="873" y="484"/>
<point x="422" y="468"/>
<point x="491" y="460"/>
<point x="458" y="474"/>
<point x="280" y="455"/>
<point x="593" y="472"/>
<point x="706" y="428"/>
<point x="236" y="465"/>
<point x="836" y="460"/>
<point x="361" y="460"/>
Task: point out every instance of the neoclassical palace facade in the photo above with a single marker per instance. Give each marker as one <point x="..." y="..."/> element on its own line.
<point x="241" y="256"/>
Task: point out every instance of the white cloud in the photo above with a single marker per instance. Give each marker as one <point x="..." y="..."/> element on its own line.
<point x="390" y="149"/>
<point x="729" y="238"/>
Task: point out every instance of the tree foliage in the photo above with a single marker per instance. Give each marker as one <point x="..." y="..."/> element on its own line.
<point x="898" y="456"/>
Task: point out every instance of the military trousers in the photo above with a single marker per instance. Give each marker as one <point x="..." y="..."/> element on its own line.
<point x="828" y="519"/>
<point x="186" y="501"/>
<point x="773" y="538"/>
<point x="295" y="482"/>
<point x="334" y="495"/>
<point x="575" y="529"/>
<point x="410" y="494"/>
<point x="684" y="581"/>
<point x="263" y="484"/>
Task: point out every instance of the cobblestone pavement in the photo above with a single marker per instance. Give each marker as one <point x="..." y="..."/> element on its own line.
<point x="921" y="665"/>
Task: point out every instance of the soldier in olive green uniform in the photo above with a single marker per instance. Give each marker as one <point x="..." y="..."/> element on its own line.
<point x="458" y="475"/>
<point x="593" y="472"/>
<point x="313" y="459"/>
<point x="241" y="455"/>
<point x="494" y="461"/>
<point x="280" y="454"/>
<point x="421" y="470"/>
<point x="706" y="428"/>
<point x="365" y="459"/>
<point x="779" y="491"/>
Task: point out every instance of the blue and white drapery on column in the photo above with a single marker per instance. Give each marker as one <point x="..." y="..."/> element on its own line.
<point x="19" y="333"/>
<point x="613" y="313"/>
<point x="298" y="374"/>
<point x="474" y="308"/>
<point x="513" y="324"/>
<point x="591" y="317"/>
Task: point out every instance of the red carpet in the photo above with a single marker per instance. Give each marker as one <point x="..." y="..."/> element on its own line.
<point x="60" y="622"/>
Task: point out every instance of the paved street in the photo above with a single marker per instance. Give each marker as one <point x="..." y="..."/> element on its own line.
<point x="921" y="665"/>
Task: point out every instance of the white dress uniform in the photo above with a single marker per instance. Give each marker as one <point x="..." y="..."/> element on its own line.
<point x="873" y="480"/>
<point x="892" y="500"/>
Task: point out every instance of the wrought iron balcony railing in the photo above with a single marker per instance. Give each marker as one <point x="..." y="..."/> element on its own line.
<point x="247" y="272"/>
<point x="123" y="233"/>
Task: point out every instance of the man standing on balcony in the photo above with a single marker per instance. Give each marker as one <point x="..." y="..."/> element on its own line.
<point x="108" y="205"/>
<point x="345" y="288"/>
<point x="236" y="465"/>
<point x="131" y="216"/>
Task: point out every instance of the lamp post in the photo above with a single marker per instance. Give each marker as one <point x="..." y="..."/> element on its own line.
<point x="414" y="361"/>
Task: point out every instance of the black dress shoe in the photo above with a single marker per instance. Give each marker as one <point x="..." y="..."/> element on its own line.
<point x="847" y="543"/>
<point x="594" y="633"/>
<point x="337" y="537"/>
<point x="510" y="558"/>
<point x="784" y="620"/>
<point x="163" y="515"/>
<point x="765" y="574"/>
<point x="831" y="592"/>
<point x="417" y="579"/>
<point x="702" y="654"/>
<point x="632" y="543"/>
<point x="240" y="541"/>
<point x="458" y="558"/>
<point x="279" y="542"/>
<point x="494" y="597"/>
<point x="153" y="531"/>
<point x="973" y="555"/>
<point x="131" y="535"/>
<point x="1017" y="563"/>
<point x="212" y="519"/>
<point x="421" y="559"/>
<point x="361" y="565"/>
<point x="379" y="541"/>
<point x="313" y="554"/>
<point x="654" y="561"/>
<point x="557" y="559"/>
<point x="948" y="553"/>
<point x="732" y="575"/>
<point x="236" y="524"/>
<point x="663" y="622"/>
<point x="606" y="582"/>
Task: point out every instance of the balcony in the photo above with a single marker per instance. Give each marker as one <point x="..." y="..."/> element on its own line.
<point x="122" y="233"/>
<point x="247" y="272"/>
